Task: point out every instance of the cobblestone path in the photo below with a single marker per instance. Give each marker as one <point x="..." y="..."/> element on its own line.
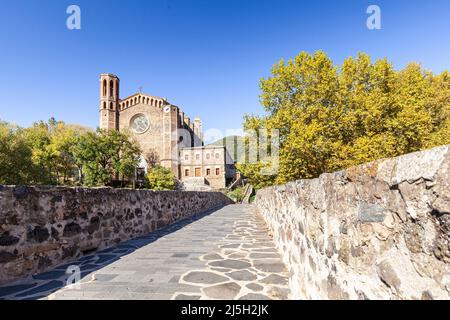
<point x="226" y="254"/>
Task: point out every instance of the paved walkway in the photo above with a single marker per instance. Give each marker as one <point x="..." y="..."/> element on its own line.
<point x="226" y="254"/>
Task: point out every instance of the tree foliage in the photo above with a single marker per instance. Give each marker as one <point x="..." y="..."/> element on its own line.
<point x="50" y="143"/>
<point x="160" y="178"/>
<point x="16" y="166"/>
<point x="56" y="153"/>
<point x="103" y="154"/>
<point x="332" y="117"/>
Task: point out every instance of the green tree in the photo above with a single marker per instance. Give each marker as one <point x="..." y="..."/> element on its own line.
<point x="51" y="144"/>
<point x="62" y="139"/>
<point x="55" y="153"/>
<point x="104" y="155"/>
<point x="160" y="178"/>
<point x="38" y="139"/>
<point x="16" y="165"/>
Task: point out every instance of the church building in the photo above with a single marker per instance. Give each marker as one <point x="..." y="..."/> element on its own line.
<point x="166" y="135"/>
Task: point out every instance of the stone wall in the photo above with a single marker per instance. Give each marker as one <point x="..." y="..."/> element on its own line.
<point x="375" y="231"/>
<point x="44" y="226"/>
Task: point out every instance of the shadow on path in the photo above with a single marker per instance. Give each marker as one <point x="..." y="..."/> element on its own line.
<point x="43" y="284"/>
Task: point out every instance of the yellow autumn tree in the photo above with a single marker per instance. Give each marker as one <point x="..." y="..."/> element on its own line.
<point x="332" y="117"/>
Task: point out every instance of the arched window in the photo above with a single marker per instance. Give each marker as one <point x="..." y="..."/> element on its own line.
<point x="111" y="105"/>
<point x="160" y="103"/>
<point x="104" y="105"/>
<point x="151" y="102"/>
<point x="104" y="87"/>
<point x="111" y="88"/>
<point x="128" y="103"/>
<point x="148" y="100"/>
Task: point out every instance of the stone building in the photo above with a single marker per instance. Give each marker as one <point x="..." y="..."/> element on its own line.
<point x="163" y="131"/>
<point x="210" y="165"/>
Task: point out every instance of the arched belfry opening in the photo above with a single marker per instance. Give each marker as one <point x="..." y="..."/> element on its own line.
<point x="111" y="88"/>
<point x="104" y="88"/>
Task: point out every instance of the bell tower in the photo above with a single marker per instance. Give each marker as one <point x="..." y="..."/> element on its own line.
<point x="109" y="101"/>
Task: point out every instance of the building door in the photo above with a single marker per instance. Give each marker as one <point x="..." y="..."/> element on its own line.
<point x="198" y="172"/>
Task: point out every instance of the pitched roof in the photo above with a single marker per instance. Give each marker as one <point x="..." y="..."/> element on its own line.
<point x="143" y="94"/>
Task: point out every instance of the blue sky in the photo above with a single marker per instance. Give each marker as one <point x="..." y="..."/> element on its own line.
<point x="204" y="56"/>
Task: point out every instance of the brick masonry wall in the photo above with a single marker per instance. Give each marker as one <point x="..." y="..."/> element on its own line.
<point x="375" y="231"/>
<point x="41" y="227"/>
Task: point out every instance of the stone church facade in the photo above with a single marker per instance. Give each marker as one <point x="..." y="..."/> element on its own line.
<point x="166" y="135"/>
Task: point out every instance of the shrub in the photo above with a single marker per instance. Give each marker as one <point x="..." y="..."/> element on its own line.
<point x="237" y="194"/>
<point x="160" y="178"/>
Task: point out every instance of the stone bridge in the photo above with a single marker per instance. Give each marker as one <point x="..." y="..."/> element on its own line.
<point x="225" y="253"/>
<point x="376" y="231"/>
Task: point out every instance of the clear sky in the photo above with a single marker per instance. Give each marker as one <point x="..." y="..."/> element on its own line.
<point x="206" y="56"/>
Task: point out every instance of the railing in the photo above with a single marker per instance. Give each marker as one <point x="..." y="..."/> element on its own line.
<point x="248" y="191"/>
<point x="235" y="183"/>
